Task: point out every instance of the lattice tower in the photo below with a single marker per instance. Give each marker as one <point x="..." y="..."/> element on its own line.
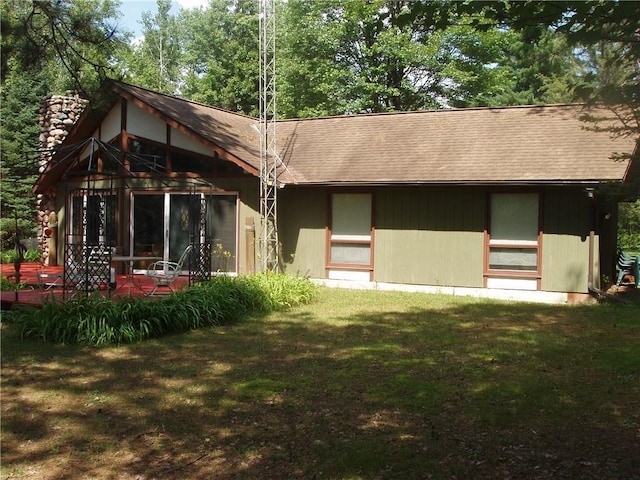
<point x="268" y="152"/>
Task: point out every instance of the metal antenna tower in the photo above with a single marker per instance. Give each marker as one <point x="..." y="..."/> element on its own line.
<point x="268" y="153"/>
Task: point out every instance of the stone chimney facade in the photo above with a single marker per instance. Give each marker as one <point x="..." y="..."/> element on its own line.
<point x="58" y="114"/>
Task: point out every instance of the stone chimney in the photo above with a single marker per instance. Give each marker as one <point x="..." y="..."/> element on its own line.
<point x="58" y="114"/>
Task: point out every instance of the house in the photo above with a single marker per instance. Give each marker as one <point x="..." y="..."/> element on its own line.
<point x="499" y="202"/>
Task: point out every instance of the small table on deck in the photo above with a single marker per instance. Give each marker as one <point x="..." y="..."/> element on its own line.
<point x="129" y="280"/>
<point x="50" y="280"/>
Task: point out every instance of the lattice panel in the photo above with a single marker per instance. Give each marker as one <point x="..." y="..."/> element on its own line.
<point x="87" y="267"/>
<point x="200" y="263"/>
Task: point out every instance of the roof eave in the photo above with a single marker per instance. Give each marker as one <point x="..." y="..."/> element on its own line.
<point x="455" y="183"/>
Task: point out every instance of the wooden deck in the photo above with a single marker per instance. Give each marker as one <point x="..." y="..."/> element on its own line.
<point x="37" y="292"/>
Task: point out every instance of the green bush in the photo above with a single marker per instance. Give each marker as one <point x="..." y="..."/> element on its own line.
<point x="32" y="256"/>
<point x="9" y="256"/>
<point x="96" y="320"/>
<point x="7" y="285"/>
<point x="629" y="226"/>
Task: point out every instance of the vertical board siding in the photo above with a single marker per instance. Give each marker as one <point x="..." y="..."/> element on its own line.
<point x="435" y="235"/>
<point x="565" y="242"/>
<point x="430" y="236"/>
<point x="302" y="217"/>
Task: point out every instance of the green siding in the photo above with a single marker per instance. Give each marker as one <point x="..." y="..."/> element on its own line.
<point x="430" y="236"/>
<point x="435" y="235"/>
<point x="565" y="242"/>
<point x="302" y="217"/>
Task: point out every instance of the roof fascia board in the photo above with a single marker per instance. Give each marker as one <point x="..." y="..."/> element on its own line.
<point x="633" y="165"/>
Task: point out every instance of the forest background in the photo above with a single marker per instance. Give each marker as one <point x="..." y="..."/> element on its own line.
<point x="334" y="57"/>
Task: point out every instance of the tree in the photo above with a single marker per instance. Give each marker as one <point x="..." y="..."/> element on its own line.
<point x="21" y="96"/>
<point x="607" y="31"/>
<point x="221" y="55"/>
<point x="540" y="67"/>
<point x="47" y="46"/>
<point x="72" y="40"/>
<point x="629" y="226"/>
<point x="155" y="62"/>
<point x="346" y="56"/>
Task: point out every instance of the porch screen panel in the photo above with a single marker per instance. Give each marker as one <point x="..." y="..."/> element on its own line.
<point x="77" y="227"/>
<point x="93" y="219"/>
<point x="183" y="220"/>
<point x="222" y="226"/>
<point x="101" y="219"/>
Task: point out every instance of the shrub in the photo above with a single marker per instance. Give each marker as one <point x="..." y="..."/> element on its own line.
<point x="7" y="285"/>
<point x="32" y="255"/>
<point x="280" y="291"/>
<point x="629" y="226"/>
<point x="96" y="320"/>
<point x="9" y="256"/>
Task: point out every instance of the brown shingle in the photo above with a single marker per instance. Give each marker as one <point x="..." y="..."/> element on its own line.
<point x="484" y="145"/>
<point x="530" y="144"/>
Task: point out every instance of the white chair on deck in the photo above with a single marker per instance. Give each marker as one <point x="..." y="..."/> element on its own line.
<point x="164" y="273"/>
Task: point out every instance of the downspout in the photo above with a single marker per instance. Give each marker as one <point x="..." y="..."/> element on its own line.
<point x="592" y="235"/>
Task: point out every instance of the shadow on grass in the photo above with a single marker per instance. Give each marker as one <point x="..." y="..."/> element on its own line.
<point x="402" y="390"/>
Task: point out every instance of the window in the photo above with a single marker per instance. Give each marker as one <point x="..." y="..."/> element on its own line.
<point x="93" y="218"/>
<point x="222" y="226"/>
<point x="165" y="223"/>
<point x="351" y="231"/>
<point x="183" y="162"/>
<point x="146" y="157"/>
<point x="513" y="247"/>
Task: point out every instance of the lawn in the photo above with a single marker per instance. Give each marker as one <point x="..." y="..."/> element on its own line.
<point x="358" y="385"/>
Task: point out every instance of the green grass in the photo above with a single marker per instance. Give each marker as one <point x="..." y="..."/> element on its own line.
<point x="357" y="385"/>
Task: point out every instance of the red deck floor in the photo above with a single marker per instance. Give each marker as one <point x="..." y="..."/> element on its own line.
<point x="36" y="295"/>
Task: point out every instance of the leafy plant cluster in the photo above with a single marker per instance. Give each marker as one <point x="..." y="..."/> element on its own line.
<point x="9" y="256"/>
<point x="100" y="321"/>
<point x="8" y="285"/>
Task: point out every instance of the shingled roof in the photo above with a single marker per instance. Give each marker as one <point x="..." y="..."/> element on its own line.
<point x="509" y="145"/>
<point x="531" y="144"/>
